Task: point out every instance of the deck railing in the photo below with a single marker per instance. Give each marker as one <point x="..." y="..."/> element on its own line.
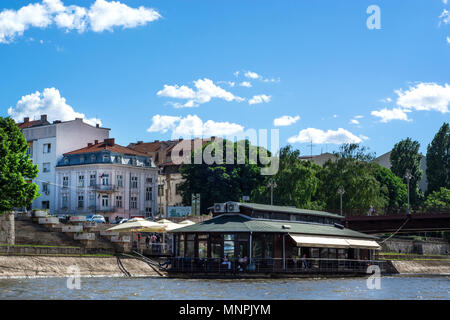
<point x="272" y="265"/>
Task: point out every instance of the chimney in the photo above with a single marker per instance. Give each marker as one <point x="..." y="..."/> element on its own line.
<point x="26" y="119"/>
<point x="97" y="125"/>
<point x="43" y="117"/>
<point x="95" y="141"/>
<point x="89" y="144"/>
<point x="109" y="142"/>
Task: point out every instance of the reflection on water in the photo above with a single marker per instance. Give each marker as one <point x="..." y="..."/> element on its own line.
<point x="157" y="288"/>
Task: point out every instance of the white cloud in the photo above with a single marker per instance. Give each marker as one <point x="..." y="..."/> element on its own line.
<point x="205" y="91"/>
<point x="259" y="99"/>
<point x="252" y="75"/>
<point x="100" y="16"/>
<point x="445" y="17"/>
<point x="321" y="137"/>
<point x="163" y="123"/>
<point x="354" y="121"/>
<point x="285" y="121"/>
<point x="425" y="96"/>
<point x="48" y="102"/>
<point x="448" y="39"/>
<point x="335" y="116"/>
<point x="245" y="84"/>
<point x="359" y="117"/>
<point x="387" y="115"/>
<point x="192" y="126"/>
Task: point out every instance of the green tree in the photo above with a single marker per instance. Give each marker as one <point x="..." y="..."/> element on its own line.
<point x="392" y="188"/>
<point x="405" y="156"/>
<point x="297" y="182"/>
<point x="16" y="168"/>
<point x="438" y="160"/>
<point x="438" y="200"/>
<point x="353" y="171"/>
<point x="221" y="182"/>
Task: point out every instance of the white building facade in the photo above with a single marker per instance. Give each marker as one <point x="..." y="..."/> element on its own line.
<point x="47" y="144"/>
<point x="107" y="179"/>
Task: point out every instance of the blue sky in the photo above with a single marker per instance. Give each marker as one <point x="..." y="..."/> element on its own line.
<point x="171" y="68"/>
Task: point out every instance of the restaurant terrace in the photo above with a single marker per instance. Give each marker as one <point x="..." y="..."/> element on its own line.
<point x="256" y="238"/>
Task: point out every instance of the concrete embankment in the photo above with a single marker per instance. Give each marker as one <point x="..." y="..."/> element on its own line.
<point x="421" y="266"/>
<point x="44" y="266"/>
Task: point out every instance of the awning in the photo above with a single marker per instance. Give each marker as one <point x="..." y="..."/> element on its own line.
<point x="331" y="242"/>
<point x="363" y="244"/>
<point x="319" y="242"/>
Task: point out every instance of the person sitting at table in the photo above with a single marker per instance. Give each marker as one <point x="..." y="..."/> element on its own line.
<point x="227" y="262"/>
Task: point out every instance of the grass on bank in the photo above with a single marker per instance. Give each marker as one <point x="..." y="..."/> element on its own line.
<point x="36" y="246"/>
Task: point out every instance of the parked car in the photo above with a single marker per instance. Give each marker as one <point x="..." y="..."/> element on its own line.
<point x="89" y="218"/>
<point x="123" y="221"/>
<point x="98" y="218"/>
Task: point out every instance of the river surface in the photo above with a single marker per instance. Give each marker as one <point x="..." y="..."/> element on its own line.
<point x="395" y="287"/>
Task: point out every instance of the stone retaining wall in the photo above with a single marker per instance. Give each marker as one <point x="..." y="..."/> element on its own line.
<point x="416" y="246"/>
<point x="7" y="234"/>
<point x="33" y="250"/>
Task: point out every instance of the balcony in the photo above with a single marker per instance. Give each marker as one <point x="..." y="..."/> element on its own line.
<point x="104" y="188"/>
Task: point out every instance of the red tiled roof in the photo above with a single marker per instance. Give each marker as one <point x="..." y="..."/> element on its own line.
<point x="33" y="123"/>
<point x="106" y="146"/>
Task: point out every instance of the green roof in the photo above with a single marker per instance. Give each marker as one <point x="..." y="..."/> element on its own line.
<point x="285" y="209"/>
<point x="231" y="223"/>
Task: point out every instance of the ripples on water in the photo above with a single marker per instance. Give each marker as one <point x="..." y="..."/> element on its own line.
<point x="283" y="289"/>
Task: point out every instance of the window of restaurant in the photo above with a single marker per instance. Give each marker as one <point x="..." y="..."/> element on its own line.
<point x="190" y="245"/>
<point x="258" y="245"/>
<point x="332" y="253"/>
<point x="242" y="247"/>
<point x="268" y="247"/>
<point x="216" y="245"/>
<point x="181" y="245"/>
<point x="323" y="253"/>
<point x="202" y="246"/>
<point x="315" y="252"/>
<point x="228" y="246"/>
<point x="342" y="254"/>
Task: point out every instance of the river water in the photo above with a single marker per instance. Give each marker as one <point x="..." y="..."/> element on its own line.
<point x="395" y="287"/>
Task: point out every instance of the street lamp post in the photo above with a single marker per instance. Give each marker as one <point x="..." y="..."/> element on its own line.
<point x="272" y="184"/>
<point x="408" y="177"/>
<point x="341" y="192"/>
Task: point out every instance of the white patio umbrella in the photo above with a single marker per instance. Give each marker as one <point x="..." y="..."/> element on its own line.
<point x="186" y="222"/>
<point x="137" y="224"/>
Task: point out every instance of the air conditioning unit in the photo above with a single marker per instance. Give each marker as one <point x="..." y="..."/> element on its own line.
<point x="232" y="207"/>
<point x="219" y="207"/>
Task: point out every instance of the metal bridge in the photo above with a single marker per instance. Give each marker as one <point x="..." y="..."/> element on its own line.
<point x="416" y="222"/>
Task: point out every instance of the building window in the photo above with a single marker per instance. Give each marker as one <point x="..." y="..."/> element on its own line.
<point x="46" y="167"/>
<point x="47" y="147"/>
<point x="64" y="201"/>
<point x="80" y="201"/>
<point x="45" y="188"/>
<point x="177" y="188"/>
<point x="119" y="201"/>
<point x="65" y="181"/>
<point x="66" y="160"/>
<point x="93" y="158"/>
<point x="149" y="180"/>
<point x="45" y="204"/>
<point x="161" y="190"/>
<point x="105" y="158"/>
<point x="119" y="159"/>
<point x="30" y="151"/>
<point x="133" y="202"/>
<point x="148" y="194"/>
<point x="81" y="159"/>
<point x="105" y="200"/>
<point x="134" y="182"/>
<point x="148" y="211"/>
<point x="120" y="181"/>
<point x="105" y="179"/>
<point x="91" y="200"/>
<point x="81" y="181"/>
<point x="92" y="180"/>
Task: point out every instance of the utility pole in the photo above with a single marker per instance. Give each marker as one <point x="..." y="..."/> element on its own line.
<point x="272" y="184"/>
<point x="341" y="192"/>
<point x="408" y="177"/>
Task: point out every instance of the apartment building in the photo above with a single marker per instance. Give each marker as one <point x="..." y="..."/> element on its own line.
<point x="47" y="144"/>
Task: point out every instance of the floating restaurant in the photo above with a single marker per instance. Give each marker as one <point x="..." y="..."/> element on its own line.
<point x="250" y="238"/>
